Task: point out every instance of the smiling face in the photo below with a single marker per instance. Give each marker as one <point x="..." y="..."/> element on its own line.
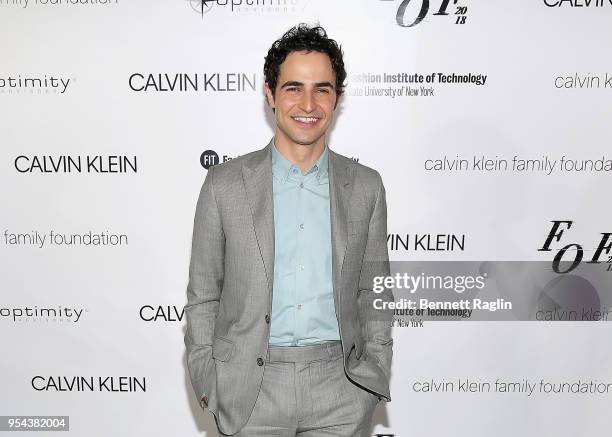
<point x="304" y="99"/>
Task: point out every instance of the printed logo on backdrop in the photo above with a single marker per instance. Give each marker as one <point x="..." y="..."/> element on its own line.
<point x="42" y="314"/>
<point x="43" y="239"/>
<point x="116" y="384"/>
<point x="545" y="165"/>
<point x="161" y="313"/>
<point x="577" y="3"/>
<point x="570" y="256"/>
<point x="208" y="158"/>
<point x="35" y="84"/>
<point x="412" y="12"/>
<point x="59" y="3"/>
<point x="405" y="85"/>
<point x="247" y="7"/>
<point x="61" y="164"/>
<point x="201" y="6"/>
<point x="584" y="81"/>
<point x="576" y="293"/>
<point x="426" y="242"/>
<point x="193" y="82"/>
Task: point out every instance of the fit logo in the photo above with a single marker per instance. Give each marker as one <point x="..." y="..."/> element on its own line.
<point x="208" y="158"/>
<point x="407" y="8"/>
<point x="556" y="233"/>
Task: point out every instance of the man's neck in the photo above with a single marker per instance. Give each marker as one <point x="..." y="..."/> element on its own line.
<point x="302" y="155"/>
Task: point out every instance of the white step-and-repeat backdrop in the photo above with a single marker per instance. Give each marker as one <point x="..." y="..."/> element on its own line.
<point x="487" y="120"/>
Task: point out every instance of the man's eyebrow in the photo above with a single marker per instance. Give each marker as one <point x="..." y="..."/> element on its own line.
<point x="291" y="83"/>
<point x="297" y="83"/>
<point x="324" y="84"/>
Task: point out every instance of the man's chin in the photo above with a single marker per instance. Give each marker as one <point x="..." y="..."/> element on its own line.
<point x="306" y="141"/>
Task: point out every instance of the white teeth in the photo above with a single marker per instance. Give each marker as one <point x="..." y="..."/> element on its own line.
<point x="306" y="119"/>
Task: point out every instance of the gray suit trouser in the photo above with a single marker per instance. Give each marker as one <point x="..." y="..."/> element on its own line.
<point x="306" y="392"/>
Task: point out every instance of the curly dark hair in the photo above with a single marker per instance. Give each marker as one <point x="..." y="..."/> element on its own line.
<point x="299" y="38"/>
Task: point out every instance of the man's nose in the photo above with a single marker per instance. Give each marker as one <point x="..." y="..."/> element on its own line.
<point x="308" y="101"/>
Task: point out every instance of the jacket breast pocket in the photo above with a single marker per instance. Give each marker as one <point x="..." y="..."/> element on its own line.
<point x="223" y="349"/>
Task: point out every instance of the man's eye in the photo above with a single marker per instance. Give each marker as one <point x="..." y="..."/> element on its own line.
<point x="291" y="89"/>
<point x="323" y="90"/>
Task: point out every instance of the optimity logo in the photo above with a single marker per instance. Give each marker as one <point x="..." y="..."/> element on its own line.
<point x="42" y="314"/>
<point x="39" y="84"/>
<point x="203" y="7"/>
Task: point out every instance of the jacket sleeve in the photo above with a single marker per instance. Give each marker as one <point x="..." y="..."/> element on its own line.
<point x="206" y="272"/>
<point x="376" y="323"/>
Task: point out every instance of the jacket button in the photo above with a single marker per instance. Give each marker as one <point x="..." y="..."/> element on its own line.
<point x="260" y="361"/>
<point x="267" y="318"/>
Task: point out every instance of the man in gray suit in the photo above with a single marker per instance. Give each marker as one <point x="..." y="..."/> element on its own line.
<point x="285" y="335"/>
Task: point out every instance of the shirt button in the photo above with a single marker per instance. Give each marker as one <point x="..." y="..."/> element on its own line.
<point x="299" y="306"/>
<point x="301" y="185"/>
<point x="260" y="361"/>
<point x="301" y="225"/>
<point x="301" y="267"/>
<point x="267" y="318"/>
<point x="294" y="170"/>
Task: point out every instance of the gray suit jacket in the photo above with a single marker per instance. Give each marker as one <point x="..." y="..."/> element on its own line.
<point x="229" y="296"/>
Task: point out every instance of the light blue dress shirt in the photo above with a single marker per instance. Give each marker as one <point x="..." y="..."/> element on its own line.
<point x="303" y="299"/>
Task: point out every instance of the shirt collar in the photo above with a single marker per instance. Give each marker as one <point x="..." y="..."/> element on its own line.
<point x="284" y="168"/>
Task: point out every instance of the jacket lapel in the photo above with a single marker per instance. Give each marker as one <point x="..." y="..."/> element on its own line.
<point x="340" y="189"/>
<point x="257" y="177"/>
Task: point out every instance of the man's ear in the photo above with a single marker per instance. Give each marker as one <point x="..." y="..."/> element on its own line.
<point x="337" y="101"/>
<point x="269" y="95"/>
